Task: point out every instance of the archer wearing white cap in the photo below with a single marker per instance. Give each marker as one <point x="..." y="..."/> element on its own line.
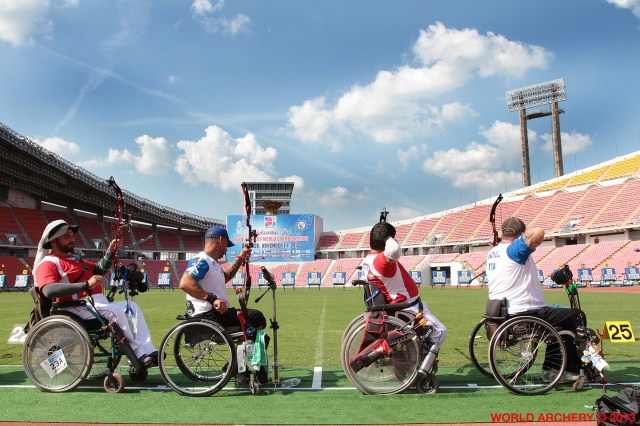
<point x="62" y="276"/>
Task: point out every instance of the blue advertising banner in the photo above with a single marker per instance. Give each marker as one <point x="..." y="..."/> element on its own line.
<point x="416" y="276"/>
<point x="3" y="280"/>
<point x="540" y="276"/>
<point x="280" y="238"/>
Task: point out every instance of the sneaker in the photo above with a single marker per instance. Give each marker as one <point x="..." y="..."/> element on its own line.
<point x="567" y="377"/>
<point x="150" y="360"/>
<point x="243" y="378"/>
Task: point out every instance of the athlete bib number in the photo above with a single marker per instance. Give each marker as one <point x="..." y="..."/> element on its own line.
<point x="55" y="364"/>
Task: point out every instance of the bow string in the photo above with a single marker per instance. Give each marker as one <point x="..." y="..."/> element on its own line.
<point x="249" y="238"/>
<point x="118" y="227"/>
<point x="492" y="219"/>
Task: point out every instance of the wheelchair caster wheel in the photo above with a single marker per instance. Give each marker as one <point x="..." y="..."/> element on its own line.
<point x="114" y="384"/>
<point x="138" y="375"/>
<point x="427" y="385"/>
<point x="254" y="387"/>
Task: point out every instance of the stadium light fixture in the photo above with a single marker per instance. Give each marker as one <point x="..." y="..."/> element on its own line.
<point x="550" y="92"/>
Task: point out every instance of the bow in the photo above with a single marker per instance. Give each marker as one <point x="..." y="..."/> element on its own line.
<point x="492" y="219"/>
<point x="123" y="274"/>
<point x="243" y="293"/>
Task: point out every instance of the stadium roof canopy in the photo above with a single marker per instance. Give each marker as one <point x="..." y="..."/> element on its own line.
<point x="27" y="166"/>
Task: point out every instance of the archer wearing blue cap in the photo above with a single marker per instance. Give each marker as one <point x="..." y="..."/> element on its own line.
<point x="217" y="232"/>
<point x="205" y="282"/>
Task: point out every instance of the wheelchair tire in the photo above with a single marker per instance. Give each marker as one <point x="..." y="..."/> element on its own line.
<point x="347" y="330"/>
<point x="479" y="349"/>
<point x="521" y="349"/>
<point x="114" y="384"/>
<point x="57" y="354"/>
<point x="197" y="357"/>
<point x="427" y="385"/>
<point x="390" y="374"/>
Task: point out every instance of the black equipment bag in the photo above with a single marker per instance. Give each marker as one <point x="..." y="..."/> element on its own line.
<point x="622" y="409"/>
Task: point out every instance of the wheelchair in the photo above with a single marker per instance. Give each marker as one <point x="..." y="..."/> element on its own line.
<point x="198" y="356"/>
<point x="382" y="369"/>
<point x="62" y="350"/>
<point x="528" y="356"/>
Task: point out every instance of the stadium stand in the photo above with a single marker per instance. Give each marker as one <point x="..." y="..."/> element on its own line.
<point x="351" y="240"/>
<point x="328" y="241"/>
<point x="192" y="241"/>
<point x="168" y="240"/>
<point x="9" y="225"/>
<point x="419" y="232"/>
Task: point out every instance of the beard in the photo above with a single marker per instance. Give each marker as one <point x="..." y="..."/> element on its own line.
<point x="68" y="249"/>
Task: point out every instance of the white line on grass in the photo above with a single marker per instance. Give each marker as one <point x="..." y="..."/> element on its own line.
<point x="317" y="371"/>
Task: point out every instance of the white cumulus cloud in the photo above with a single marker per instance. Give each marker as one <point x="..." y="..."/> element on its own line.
<point x="224" y="162"/>
<point x="402" y="103"/>
<point x="21" y="19"/>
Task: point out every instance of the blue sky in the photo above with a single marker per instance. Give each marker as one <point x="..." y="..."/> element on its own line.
<point x="364" y="104"/>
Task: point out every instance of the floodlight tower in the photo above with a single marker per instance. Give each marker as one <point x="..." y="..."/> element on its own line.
<point x="550" y="92"/>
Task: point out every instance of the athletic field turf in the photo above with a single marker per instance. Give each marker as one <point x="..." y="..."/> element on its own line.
<point x="311" y="325"/>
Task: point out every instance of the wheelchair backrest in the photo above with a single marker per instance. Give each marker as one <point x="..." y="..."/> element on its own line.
<point x="41" y="308"/>
<point x="373" y="297"/>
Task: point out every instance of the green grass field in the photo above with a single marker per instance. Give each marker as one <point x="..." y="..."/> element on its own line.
<point x="311" y="325"/>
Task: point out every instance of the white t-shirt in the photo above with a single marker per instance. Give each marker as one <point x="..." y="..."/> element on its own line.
<point x="512" y="273"/>
<point x="209" y="274"/>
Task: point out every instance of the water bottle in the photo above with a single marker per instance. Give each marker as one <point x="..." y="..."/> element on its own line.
<point x="596" y="359"/>
<point x="290" y="383"/>
<point x="248" y="349"/>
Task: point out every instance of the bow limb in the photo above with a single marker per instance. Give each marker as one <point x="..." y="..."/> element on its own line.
<point x="120" y="273"/>
<point x="249" y="239"/>
<point x="492" y="219"/>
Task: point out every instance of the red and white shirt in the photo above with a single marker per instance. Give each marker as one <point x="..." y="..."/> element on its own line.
<point x="391" y="278"/>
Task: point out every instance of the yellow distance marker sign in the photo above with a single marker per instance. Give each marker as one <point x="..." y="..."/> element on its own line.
<point x="618" y="331"/>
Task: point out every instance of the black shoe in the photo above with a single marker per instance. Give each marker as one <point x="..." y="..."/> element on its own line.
<point x="263" y="378"/>
<point x="243" y="378"/>
<point x="150" y="360"/>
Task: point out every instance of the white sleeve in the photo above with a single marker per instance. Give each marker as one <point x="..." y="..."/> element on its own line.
<point x="392" y="249"/>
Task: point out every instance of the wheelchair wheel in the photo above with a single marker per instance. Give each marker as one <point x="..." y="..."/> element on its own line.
<point x="527" y="356"/>
<point x="197" y="357"/>
<point x="347" y="330"/>
<point x="114" y="384"/>
<point x="390" y="374"/>
<point x="427" y="385"/>
<point x="57" y="354"/>
<point x="479" y="349"/>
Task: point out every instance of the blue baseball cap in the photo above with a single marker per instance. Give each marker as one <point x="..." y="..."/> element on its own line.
<point x="218" y="231"/>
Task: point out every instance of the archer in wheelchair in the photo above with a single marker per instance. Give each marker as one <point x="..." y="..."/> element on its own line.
<point x="78" y="318"/>
<point x="201" y="354"/>
<point x="533" y="346"/>
<point x="396" y="342"/>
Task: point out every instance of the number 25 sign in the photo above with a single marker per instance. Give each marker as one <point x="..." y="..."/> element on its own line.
<point x="618" y="331"/>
